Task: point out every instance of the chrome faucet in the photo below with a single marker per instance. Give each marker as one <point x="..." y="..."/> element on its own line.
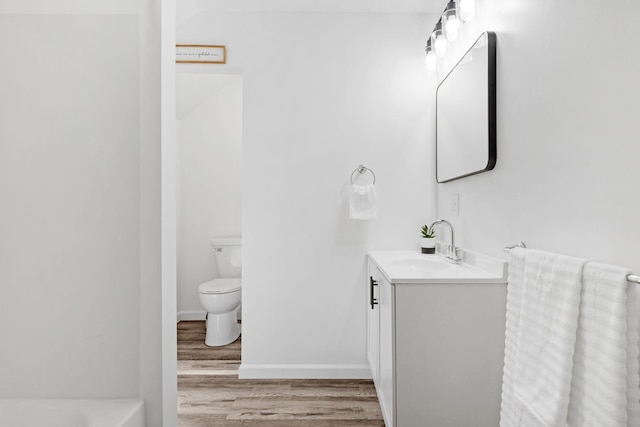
<point x="453" y="253"/>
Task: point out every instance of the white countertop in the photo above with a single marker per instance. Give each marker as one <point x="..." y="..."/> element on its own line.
<point x="400" y="267"/>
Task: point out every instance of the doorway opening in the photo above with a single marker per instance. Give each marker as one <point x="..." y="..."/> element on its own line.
<point x="209" y="119"/>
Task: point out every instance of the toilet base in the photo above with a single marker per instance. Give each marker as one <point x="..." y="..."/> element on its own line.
<point x="222" y="329"/>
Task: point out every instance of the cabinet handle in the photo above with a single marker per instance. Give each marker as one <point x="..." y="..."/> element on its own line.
<point x="373" y="301"/>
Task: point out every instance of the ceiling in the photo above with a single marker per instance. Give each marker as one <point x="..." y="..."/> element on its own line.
<point x="373" y="6"/>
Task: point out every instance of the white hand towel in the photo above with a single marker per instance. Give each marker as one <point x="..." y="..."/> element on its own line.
<point x="605" y="388"/>
<point x="543" y="297"/>
<point x="363" y="202"/>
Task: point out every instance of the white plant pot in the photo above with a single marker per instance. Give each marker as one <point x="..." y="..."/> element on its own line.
<point x="428" y="245"/>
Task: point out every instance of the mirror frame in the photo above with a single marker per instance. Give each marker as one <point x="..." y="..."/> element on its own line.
<point x="491" y="106"/>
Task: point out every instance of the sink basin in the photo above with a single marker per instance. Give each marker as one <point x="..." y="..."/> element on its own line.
<point x="413" y="267"/>
<point x="421" y="265"/>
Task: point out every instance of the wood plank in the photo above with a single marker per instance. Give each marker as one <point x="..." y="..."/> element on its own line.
<point x="204" y="421"/>
<point x="208" y="367"/>
<point x="288" y="407"/>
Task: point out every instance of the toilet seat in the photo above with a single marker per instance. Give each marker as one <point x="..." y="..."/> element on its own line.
<point x="220" y="286"/>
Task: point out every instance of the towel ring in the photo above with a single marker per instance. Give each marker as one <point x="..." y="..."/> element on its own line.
<point x="362" y="169"/>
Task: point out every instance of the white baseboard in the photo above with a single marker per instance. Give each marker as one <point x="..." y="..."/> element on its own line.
<point x="258" y="371"/>
<point x="199" y="315"/>
<point x="192" y="315"/>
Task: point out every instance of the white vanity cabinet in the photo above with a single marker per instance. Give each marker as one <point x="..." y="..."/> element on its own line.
<point x="436" y="349"/>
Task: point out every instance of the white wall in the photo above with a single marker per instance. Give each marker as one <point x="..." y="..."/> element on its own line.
<point x="322" y="94"/>
<point x="209" y="177"/>
<point x="70" y="178"/>
<point x="566" y="175"/>
<point x="80" y="189"/>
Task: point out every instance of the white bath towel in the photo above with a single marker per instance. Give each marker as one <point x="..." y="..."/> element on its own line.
<point x="605" y="385"/>
<point x="363" y="203"/>
<point x="543" y="297"/>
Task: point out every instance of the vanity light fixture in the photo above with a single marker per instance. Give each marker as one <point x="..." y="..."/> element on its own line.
<point x="430" y="60"/>
<point x="456" y="13"/>
<point x="439" y="41"/>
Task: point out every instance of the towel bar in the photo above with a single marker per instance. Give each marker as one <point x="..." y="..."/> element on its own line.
<point x="361" y="169"/>
<point x="519" y="245"/>
<point x="631" y="278"/>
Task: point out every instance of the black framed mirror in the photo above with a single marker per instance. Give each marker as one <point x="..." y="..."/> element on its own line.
<point x="466" y="114"/>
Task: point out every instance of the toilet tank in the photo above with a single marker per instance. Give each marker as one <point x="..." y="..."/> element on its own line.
<point x="228" y="253"/>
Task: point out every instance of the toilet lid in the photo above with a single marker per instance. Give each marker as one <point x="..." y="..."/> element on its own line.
<point x="220" y="286"/>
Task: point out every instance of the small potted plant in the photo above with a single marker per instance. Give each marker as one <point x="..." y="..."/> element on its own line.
<point x="428" y="241"/>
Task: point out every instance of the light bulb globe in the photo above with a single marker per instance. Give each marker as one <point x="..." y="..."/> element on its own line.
<point x="467" y="9"/>
<point x="430" y="61"/>
<point x="451" y="27"/>
<point x="440" y="46"/>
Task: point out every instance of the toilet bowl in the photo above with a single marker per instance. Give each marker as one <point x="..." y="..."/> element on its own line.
<point x="221" y="297"/>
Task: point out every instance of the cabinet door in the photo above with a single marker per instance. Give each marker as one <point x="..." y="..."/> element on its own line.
<point x="373" y="321"/>
<point x="449" y="351"/>
<point x="387" y="351"/>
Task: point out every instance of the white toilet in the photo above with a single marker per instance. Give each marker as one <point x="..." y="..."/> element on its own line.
<point x="221" y="297"/>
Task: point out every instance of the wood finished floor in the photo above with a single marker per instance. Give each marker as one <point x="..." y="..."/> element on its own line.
<point x="210" y="393"/>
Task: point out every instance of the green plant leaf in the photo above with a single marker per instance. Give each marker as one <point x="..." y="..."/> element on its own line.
<point x="426" y="233"/>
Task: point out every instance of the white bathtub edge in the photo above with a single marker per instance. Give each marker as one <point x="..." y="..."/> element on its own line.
<point x="127" y="412"/>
